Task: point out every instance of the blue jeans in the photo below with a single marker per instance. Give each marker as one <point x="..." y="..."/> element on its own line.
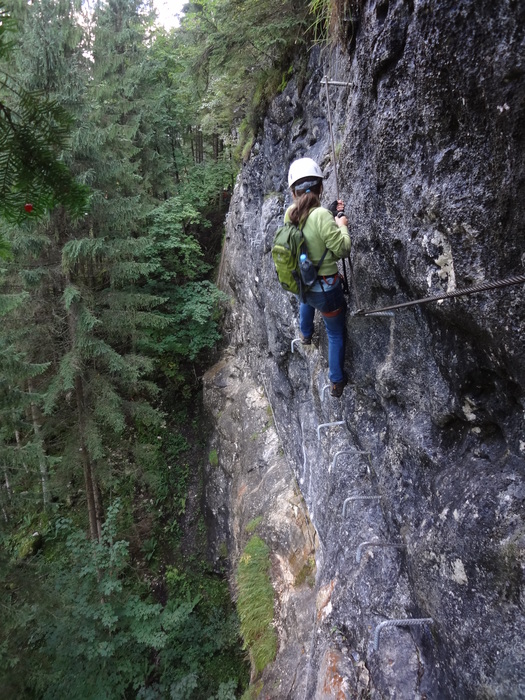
<point x="327" y="302"/>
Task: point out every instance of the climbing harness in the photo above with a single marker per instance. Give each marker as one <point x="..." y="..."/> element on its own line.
<point x="326" y="82"/>
<point x="487" y="286"/>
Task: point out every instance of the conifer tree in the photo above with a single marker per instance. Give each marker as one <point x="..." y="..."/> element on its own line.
<point x="241" y="53"/>
<point x="80" y="273"/>
<point x="93" y="286"/>
<point x="88" y="307"/>
<point x="23" y="458"/>
<point x="34" y="129"/>
<point x="30" y="333"/>
<point x="104" y="259"/>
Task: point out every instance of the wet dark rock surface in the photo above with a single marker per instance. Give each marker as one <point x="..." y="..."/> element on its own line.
<point x="430" y="135"/>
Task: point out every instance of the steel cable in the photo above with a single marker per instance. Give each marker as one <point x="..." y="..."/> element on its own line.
<point x="485" y="287"/>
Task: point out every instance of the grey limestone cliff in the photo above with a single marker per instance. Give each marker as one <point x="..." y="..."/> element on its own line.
<point x="427" y="450"/>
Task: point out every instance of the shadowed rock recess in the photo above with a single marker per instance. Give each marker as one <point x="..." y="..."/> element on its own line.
<point x="429" y="133"/>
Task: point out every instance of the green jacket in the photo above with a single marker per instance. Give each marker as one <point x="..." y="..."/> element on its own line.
<point x="320" y="232"/>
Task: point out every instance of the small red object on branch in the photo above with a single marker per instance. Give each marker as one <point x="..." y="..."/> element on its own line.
<point x="28" y="207"/>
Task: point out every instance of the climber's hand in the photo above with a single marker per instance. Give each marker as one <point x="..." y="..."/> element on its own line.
<point x="337" y="207"/>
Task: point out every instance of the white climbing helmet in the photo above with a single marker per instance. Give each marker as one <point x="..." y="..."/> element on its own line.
<point x="303" y="168"/>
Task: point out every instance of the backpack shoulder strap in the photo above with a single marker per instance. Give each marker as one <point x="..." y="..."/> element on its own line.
<point x="304" y="247"/>
<point x="322" y="258"/>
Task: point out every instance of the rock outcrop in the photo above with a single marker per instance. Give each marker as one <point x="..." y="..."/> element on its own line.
<point x="425" y="450"/>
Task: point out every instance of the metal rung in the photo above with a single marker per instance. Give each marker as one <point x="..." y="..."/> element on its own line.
<point x="413" y="622"/>
<point x="346" y="452"/>
<point x="359" y="498"/>
<point x="375" y="543"/>
<point x="339" y="83"/>
<point x="328" y="425"/>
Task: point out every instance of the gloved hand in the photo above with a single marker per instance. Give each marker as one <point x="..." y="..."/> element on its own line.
<point x="337" y="207"/>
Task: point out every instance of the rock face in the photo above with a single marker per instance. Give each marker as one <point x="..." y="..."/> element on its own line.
<point x="425" y="450"/>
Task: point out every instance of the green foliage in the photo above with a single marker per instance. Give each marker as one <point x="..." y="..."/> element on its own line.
<point x="333" y="20"/>
<point x="7" y="27"/>
<point x="253" y="524"/>
<point x="255" y="603"/>
<point x="203" y="182"/>
<point x="253" y="692"/>
<point x="209" y="652"/>
<point x="322" y="13"/>
<point x="34" y="131"/>
<point x="236" y="67"/>
<point x="104" y="318"/>
<point x="5" y="250"/>
<point x="213" y="458"/>
<point x="307" y="573"/>
<point x="89" y="635"/>
<point x="175" y="253"/>
<point x="194" y="320"/>
<point x="84" y="632"/>
<point x="191" y="306"/>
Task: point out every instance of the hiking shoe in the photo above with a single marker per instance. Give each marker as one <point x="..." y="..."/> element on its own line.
<point x="336" y="388"/>
<point x="306" y="341"/>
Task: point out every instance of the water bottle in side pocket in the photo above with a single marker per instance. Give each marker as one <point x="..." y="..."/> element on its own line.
<point x="308" y="270"/>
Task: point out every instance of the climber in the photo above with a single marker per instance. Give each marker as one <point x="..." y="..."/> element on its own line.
<point x="321" y="232"/>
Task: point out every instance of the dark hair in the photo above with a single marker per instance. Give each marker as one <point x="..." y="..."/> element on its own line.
<point x="305" y="200"/>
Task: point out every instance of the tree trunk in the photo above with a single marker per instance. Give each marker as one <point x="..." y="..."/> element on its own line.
<point x="19" y="447"/>
<point x="199" y="147"/>
<point x="95" y="523"/>
<point x="35" y="415"/>
<point x="192" y="144"/>
<point x="174" y="157"/>
<point x="9" y="494"/>
<point x="92" y="496"/>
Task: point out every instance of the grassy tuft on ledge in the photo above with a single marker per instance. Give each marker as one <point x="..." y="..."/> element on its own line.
<point x="255" y="603"/>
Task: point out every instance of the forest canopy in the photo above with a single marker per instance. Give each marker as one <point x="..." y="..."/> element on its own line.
<point x="119" y="146"/>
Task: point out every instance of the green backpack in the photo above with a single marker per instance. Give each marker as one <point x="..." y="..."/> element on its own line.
<point x="288" y="244"/>
<point x="286" y="248"/>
